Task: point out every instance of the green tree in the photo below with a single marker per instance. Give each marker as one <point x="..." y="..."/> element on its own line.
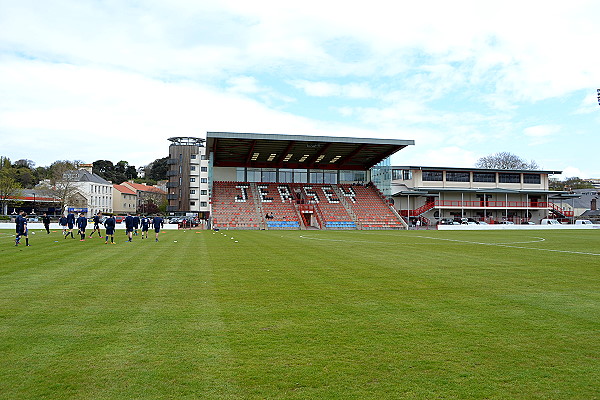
<point x="157" y="169"/>
<point x="9" y="187"/>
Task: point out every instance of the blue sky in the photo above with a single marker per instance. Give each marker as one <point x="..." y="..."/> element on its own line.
<point x="114" y="79"/>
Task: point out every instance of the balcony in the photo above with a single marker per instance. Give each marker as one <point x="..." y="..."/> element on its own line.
<point x="172" y="173"/>
<point x="172" y="161"/>
<point x="172" y="184"/>
<point x="172" y="197"/>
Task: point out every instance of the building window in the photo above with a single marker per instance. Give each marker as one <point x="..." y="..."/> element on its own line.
<point x="193" y="156"/>
<point x="192" y="191"/>
<point x="203" y="180"/>
<point x="203" y="204"/>
<point x="484" y="177"/>
<point x="432" y="176"/>
<point x="203" y="192"/>
<point x="532" y="178"/>
<point x="203" y="157"/>
<point x="458" y="176"/>
<point x="192" y="203"/>
<point x="510" y="178"/>
<point x="193" y="168"/>
<point x="192" y="179"/>
<point x="203" y="169"/>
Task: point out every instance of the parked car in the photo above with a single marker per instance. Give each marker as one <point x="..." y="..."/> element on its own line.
<point x="188" y="222"/>
<point x="549" y="221"/>
<point x="583" y="222"/>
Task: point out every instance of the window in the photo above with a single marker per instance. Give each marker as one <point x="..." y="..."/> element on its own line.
<point x="285" y="175"/>
<point x="458" y="176"/>
<point x="193" y="156"/>
<point x="510" y="178"/>
<point x="192" y="203"/>
<point x="484" y="177"/>
<point x="203" y="204"/>
<point x="192" y="191"/>
<point x="300" y="176"/>
<point x="203" y="192"/>
<point x="401" y="174"/>
<point x="193" y="168"/>
<point x="203" y="180"/>
<point x="532" y="178"/>
<point x="203" y="169"/>
<point x="432" y="176"/>
<point x="203" y="157"/>
<point x="192" y="179"/>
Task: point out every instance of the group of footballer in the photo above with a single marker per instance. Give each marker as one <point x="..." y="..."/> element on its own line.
<point x="69" y="222"/>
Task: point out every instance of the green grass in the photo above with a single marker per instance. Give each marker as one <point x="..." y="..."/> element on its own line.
<point x="302" y="315"/>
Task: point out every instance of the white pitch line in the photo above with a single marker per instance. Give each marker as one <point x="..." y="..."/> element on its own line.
<point x="508" y="245"/>
<point x="515" y="247"/>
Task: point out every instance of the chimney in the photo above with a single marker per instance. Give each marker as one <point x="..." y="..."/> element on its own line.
<point x="593" y="205"/>
<point x="87" y="167"/>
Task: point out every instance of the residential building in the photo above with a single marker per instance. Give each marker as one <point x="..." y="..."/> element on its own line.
<point x="188" y="185"/>
<point x="124" y="200"/>
<point x="146" y="193"/>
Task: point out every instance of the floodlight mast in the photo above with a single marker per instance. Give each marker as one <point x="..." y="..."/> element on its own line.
<point x="598" y="96"/>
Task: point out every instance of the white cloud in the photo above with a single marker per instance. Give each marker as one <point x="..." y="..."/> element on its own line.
<point x="327" y="89"/>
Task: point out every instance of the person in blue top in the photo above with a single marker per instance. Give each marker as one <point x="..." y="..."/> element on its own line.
<point x="21" y="222"/>
<point x="109" y="227"/>
<point x="81" y="224"/>
<point x="70" y="224"/>
<point x="63" y="224"/>
<point x="157" y="223"/>
<point x="129" y="226"/>
<point x="97" y="223"/>
<point x="136" y="224"/>
<point x="145" y="222"/>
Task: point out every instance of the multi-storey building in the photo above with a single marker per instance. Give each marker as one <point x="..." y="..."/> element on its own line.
<point x="433" y="194"/>
<point x="188" y="185"/>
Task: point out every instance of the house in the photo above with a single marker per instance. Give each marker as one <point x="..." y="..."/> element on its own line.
<point x="124" y="200"/>
<point x="146" y="193"/>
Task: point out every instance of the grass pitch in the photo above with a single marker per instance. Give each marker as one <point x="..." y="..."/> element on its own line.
<point x="302" y="315"/>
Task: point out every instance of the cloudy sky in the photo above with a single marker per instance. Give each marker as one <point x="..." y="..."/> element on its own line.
<point x="113" y="79"/>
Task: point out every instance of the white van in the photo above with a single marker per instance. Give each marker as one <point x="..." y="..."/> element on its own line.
<point x="548" y="221"/>
<point x="583" y="222"/>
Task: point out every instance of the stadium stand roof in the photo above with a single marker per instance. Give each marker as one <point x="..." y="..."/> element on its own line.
<point x="299" y="151"/>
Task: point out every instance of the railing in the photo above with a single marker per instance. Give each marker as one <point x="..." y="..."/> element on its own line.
<point x="488" y="204"/>
<point x="172" y="184"/>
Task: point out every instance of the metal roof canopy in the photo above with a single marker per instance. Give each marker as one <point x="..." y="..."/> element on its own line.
<point x="299" y="151"/>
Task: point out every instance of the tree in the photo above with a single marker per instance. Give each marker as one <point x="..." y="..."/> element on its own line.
<point x="9" y="188"/>
<point x="62" y="184"/>
<point x="570" y="184"/>
<point x="505" y="160"/>
<point x="157" y="169"/>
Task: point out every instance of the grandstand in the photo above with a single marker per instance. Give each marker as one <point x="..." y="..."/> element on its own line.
<point x="261" y="181"/>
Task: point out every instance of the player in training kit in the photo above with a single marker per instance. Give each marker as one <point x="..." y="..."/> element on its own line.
<point x="81" y="224"/>
<point x="97" y="223"/>
<point x="70" y="224"/>
<point x="21" y="222"/>
<point x="157" y="223"/>
<point x="63" y="224"/>
<point x="109" y="226"/>
<point x="136" y="224"/>
<point x="145" y="222"/>
<point x="46" y="222"/>
<point x="129" y="226"/>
